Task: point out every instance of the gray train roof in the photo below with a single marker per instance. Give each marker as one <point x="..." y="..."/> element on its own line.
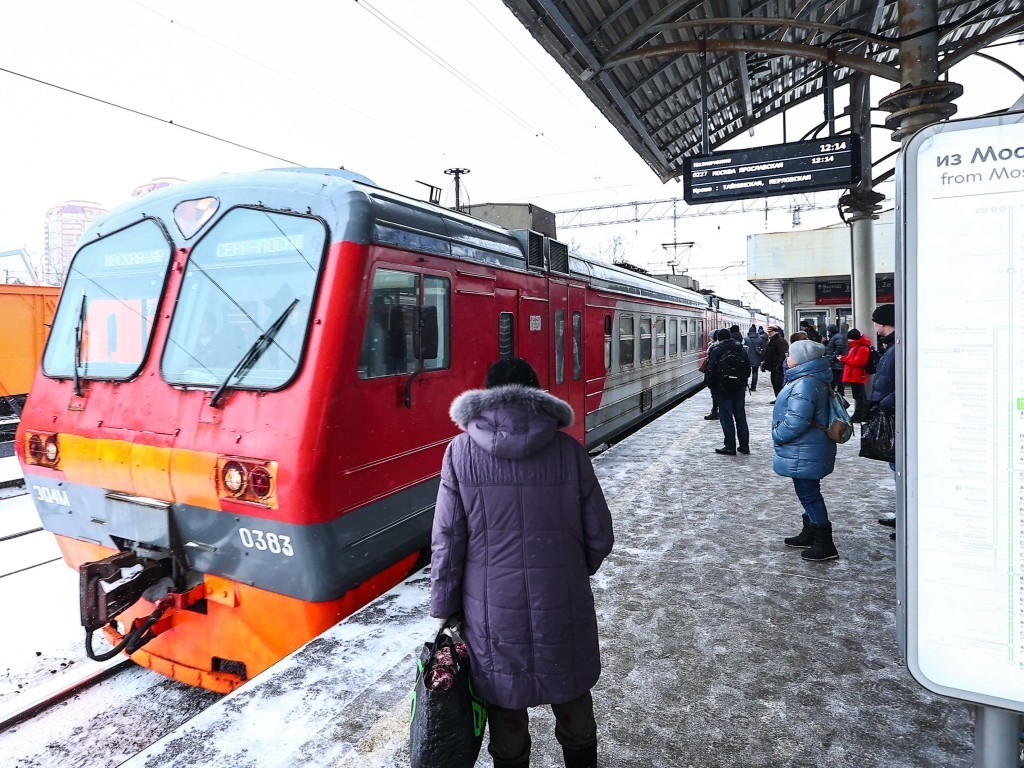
<point x="360" y="212"/>
<point x="640" y="61"/>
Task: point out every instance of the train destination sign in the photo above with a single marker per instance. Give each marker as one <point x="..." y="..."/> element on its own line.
<point x="962" y="408"/>
<point x="779" y="169"/>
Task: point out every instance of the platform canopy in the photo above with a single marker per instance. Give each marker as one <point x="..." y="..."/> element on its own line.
<point x="642" y="62"/>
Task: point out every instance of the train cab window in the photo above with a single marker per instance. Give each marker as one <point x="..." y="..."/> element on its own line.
<point x="559" y="346"/>
<point x="105" y="319"/>
<point x="246" y="301"/>
<point x="627" y="348"/>
<point x="645" y="339"/>
<point x="506" y="335"/>
<point x="399" y="301"/>
<point x="659" y="339"/>
<point x="673" y="337"/>
<point x="577" y="346"/>
<point x="607" y="342"/>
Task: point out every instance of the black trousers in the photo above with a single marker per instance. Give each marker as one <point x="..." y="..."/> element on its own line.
<point x="777" y="380"/>
<point x="837" y="382"/>
<point x="509" y="745"/>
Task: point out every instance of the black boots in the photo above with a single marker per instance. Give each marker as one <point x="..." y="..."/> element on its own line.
<point x="580" y="758"/>
<point x="823" y="548"/>
<point x="712" y="416"/>
<point x="803" y="539"/>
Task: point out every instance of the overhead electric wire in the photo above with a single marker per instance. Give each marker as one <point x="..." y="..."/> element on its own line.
<point x="479" y="90"/>
<point x="149" y="116"/>
<point x="279" y="73"/>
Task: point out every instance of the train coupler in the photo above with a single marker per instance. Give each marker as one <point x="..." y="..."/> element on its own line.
<point x="110" y="586"/>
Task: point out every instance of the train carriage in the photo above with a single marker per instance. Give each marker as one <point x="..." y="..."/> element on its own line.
<point x="238" y="423"/>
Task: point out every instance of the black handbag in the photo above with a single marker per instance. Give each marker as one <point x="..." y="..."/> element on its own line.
<point x="446" y="726"/>
<point x="878" y="436"/>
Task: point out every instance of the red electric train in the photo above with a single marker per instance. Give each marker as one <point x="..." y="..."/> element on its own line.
<point x="237" y="426"/>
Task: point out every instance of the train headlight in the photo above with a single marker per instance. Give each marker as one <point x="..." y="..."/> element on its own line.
<point x="247" y="480"/>
<point x="35" y="448"/>
<point x="234" y="476"/>
<point x="51" y="449"/>
<point x="259" y="482"/>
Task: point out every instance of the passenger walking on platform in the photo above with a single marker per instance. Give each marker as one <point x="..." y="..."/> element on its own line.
<point x="734" y="333"/>
<point x="837" y="346"/>
<point x="883" y="385"/>
<point x="803" y="451"/>
<point x="520" y="526"/>
<point x="855" y="373"/>
<point x="728" y="371"/>
<point x="774" y="356"/>
<point x="755" y="353"/>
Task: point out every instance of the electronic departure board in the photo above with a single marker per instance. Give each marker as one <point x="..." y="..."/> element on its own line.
<point x="962" y="407"/>
<point x="781" y="169"/>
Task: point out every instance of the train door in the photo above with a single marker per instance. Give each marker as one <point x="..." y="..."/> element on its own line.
<point x="505" y="302"/>
<point x="574" y="371"/>
<point x="558" y="337"/>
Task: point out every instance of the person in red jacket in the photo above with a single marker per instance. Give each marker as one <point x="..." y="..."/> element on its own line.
<point x="854" y="371"/>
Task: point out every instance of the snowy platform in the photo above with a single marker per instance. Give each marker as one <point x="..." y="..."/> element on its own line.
<point x="10" y="472"/>
<point x="721" y="647"/>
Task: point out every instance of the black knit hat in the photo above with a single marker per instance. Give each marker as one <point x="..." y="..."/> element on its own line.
<point x="852" y="334"/>
<point x="511" y="370"/>
<point x="885" y="314"/>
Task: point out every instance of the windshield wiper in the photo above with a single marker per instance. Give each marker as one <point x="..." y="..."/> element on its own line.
<point x="78" y="347"/>
<point x="254" y="353"/>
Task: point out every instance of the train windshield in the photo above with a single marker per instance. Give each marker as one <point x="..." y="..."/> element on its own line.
<point x="105" y="319"/>
<point x="254" y="272"/>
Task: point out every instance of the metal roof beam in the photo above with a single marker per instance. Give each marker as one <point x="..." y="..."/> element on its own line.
<point x="796" y="50"/>
<point x="1008" y="27"/>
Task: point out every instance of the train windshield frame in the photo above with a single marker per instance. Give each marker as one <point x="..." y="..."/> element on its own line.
<point x="243" y="311"/>
<point x="104" y="323"/>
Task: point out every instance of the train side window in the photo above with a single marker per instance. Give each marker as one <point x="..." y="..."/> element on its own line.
<point x="627" y="347"/>
<point x="684" y="335"/>
<point x="397" y="302"/>
<point x="559" y="346"/>
<point x="645" y="339"/>
<point x="696" y="334"/>
<point x="577" y="346"/>
<point x="659" y="339"/>
<point x="673" y="337"/>
<point x="506" y="337"/>
<point x="607" y="342"/>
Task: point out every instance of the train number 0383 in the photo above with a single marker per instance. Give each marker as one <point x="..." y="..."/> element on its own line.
<point x="266" y="541"/>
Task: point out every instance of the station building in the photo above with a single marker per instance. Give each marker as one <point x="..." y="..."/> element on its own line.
<point x="809" y="271"/>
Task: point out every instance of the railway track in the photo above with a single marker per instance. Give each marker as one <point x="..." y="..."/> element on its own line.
<point x="48" y="696"/>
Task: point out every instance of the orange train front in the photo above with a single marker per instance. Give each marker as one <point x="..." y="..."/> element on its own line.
<point x="239" y="418"/>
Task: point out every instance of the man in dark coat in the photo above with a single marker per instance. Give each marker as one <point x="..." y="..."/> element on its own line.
<point x="837" y="347"/>
<point x="520" y="526"/>
<point x="728" y="371"/>
<point x="774" y="355"/>
<point x="755" y="353"/>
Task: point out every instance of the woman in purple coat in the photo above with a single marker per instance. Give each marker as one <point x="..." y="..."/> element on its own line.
<point x="520" y="526"/>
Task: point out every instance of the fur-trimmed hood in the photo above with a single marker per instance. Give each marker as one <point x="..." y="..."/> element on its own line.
<point x="510" y="421"/>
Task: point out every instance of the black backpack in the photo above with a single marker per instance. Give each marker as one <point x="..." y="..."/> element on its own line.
<point x="873" y="357"/>
<point x="733" y="370"/>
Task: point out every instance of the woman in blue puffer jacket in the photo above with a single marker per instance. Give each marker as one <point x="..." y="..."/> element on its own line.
<point x="802" y="449"/>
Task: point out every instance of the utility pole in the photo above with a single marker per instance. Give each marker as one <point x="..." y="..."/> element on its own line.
<point x="457" y="173"/>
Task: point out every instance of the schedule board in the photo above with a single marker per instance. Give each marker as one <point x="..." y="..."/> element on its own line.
<point x="961" y="186"/>
<point x="778" y="169"/>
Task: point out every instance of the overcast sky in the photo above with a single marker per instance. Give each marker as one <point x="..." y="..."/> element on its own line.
<point x="398" y="90"/>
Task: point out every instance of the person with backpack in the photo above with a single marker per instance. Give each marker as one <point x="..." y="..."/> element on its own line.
<point x="755" y="354"/>
<point x="855" y="363"/>
<point x="803" y="450"/>
<point x="837" y="347"/>
<point x="728" y="371"/>
<point x="774" y="356"/>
